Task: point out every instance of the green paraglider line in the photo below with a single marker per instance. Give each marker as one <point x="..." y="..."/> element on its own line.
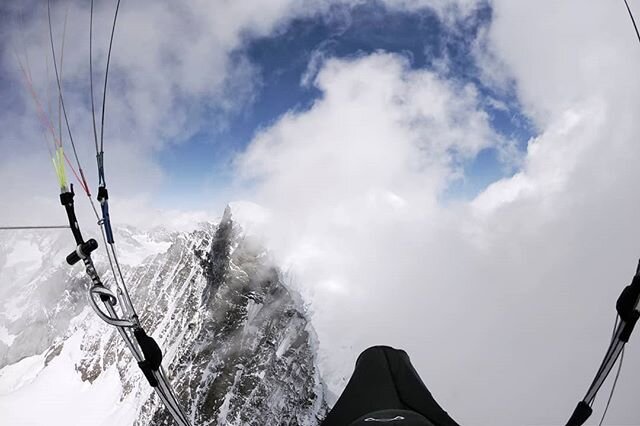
<point x="83" y="180"/>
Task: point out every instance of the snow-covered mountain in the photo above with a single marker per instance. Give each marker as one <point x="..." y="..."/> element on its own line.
<point x="237" y="344"/>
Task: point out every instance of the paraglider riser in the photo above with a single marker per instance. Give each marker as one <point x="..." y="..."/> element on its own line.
<point x="626" y="307"/>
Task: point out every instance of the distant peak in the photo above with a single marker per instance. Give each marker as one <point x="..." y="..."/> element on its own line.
<point x="226" y="216"/>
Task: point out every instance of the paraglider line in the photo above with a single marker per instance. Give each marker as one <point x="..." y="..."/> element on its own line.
<point x="613" y="388"/>
<point x="93" y="108"/>
<point x="106" y="76"/>
<point x="632" y="19"/>
<point x="64" y="110"/>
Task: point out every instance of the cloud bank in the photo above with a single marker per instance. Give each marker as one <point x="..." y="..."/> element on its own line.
<point x="506" y="301"/>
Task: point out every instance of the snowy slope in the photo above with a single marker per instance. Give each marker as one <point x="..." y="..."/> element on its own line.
<point x="40" y="294"/>
<point x="238" y="347"/>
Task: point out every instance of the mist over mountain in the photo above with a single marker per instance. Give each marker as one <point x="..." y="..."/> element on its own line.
<point x="238" y="346"/>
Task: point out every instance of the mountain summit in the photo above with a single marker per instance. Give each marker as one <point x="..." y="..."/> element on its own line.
<point x="238" y="346"/>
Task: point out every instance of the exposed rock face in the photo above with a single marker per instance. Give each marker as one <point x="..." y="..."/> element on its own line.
<point x="238" y="347"/>
<point x="247" y="357"/>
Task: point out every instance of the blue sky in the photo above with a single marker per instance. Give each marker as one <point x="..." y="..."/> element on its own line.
<point x="193" y="169"/>
<point x="282" y="59"/>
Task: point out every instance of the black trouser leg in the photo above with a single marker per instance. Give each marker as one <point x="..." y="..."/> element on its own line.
<point x="384" y="379"/>
<point x="412" y="391"/>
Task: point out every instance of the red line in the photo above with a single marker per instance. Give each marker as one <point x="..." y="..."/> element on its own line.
<point x="81" y="182"/>
<point x="46" y="122"/>
<point x="44" y="119"/>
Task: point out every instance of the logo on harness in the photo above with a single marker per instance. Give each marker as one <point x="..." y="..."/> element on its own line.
<point x="371" y="419"/>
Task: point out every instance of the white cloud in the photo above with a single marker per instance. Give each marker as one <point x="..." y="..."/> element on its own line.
<point x="170" y="64"/>
<point x="564" y="53"/>
<point x="505" y="302"/>
<point x="353" y="187"/>
<point x="551" y="160"/>
<point x="377" y="124"/>
<point x="448" y="10"/>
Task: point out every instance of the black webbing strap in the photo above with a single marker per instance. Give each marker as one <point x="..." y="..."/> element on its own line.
<point x="66" y="199"/>
<point x="580" y="414"/>
<point x="152" y="355"/>
<point x="626" y="307"/>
